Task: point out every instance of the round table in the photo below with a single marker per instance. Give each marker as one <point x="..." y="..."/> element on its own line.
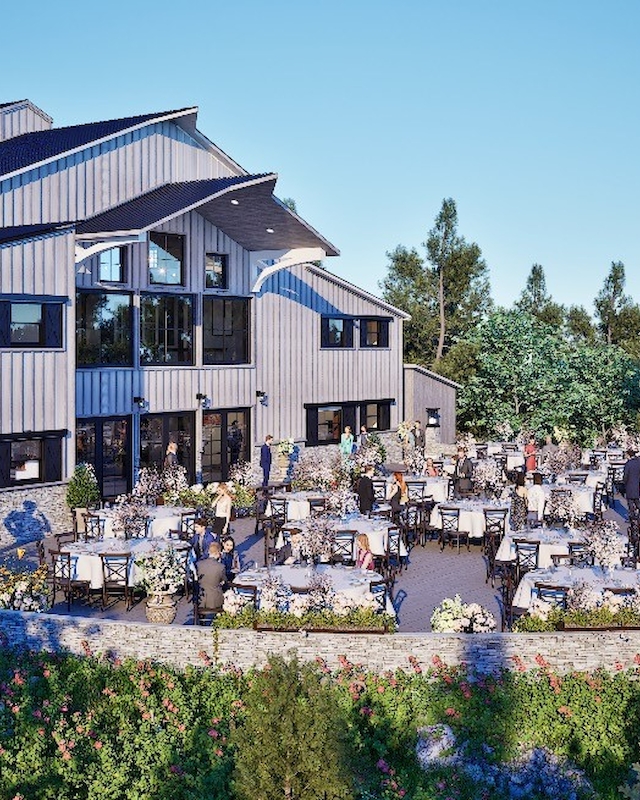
<point x="471" y="515"/>
<point x="162" y="519"/>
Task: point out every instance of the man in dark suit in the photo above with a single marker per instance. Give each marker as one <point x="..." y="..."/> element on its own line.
<point x="211" y="579"/>
<point x="462" y="472"/>
<point x="366" y="495"/>
<point x="631" y="478"/>
<point x="265" y="459"/>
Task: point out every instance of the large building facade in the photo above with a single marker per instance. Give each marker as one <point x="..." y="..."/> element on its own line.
<point x="151" y="290"/>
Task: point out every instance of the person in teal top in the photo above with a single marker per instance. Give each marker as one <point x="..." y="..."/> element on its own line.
<point x="346" y="441"/>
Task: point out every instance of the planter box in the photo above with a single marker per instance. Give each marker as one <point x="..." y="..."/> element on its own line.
<point x="262" y="627"/>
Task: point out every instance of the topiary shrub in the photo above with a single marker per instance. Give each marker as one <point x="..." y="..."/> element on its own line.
<point x="83" y="490"/>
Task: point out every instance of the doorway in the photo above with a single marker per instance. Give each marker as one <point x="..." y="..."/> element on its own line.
<point x="225" y="440"/>
<point x="157" y="430"/>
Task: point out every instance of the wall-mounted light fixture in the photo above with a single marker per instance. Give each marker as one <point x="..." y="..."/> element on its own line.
<point x="203" y="400"/>
<point x="142" y="404"/>
<point x="263" y="397"/>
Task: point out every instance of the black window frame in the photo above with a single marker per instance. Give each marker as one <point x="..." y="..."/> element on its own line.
<point x="50" y="457"/>
<point x="122" y="250"/>
<point x="226" y="302"/>
<point x="98" y="460"/>
<point x="83" y="293"/>
<point x="163" y="362"/>
<point x="50" y="327"/>
<point x="383" y="333"/>
<point x="346" y="342"/>
<point x="351" y="413"/>
<point x="224" y="271"/>
<point x="154" y="236"/>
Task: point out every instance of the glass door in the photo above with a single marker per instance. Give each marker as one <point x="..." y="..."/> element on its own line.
<point x="157" y="430"/>
<point x="225" y="441"/>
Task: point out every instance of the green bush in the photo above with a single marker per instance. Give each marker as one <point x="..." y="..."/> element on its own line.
<point x="83" y="490"/>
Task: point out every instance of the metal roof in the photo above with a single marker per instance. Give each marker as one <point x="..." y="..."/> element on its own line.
<point x="244" y="207"/>
<point x="21" y="232"/>
<point x="28" y="149"/>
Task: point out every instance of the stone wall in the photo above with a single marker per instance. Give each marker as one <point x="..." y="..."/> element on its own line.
<point x="31" y="512"/>
<point x="185" y="645"/>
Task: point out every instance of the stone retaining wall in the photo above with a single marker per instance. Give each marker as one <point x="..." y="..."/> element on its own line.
<point x="185" y="645"/>
<point x="29" y="513"/>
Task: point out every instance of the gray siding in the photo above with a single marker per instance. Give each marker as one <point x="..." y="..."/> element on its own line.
<point x="293" y="369"/>
<point x="421" y="391"/>
<point x="22" y="118"/>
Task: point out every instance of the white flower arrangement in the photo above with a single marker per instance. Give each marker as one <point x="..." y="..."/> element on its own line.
<point x="234" y="603"/>
<point x="174" y="480"/>
<point x="160" y="571"/>
<point x="562" y="506"/>
<point x="320" y="470"/>
<point x="414" y="460"/>
<point x="286" y="446"/>
<point x="342" y="502"/>
<point x="454" y="616"/>
<point x="488" y="476"/>
<point x="274" y="595"/>
<point x="317" y="537"/>
<point x="583" y="597"/>
<point x="149" y="485"/>
<point x="129" y="515"/>
<point x="604" y="541"/>
<point x="540" y="609"/>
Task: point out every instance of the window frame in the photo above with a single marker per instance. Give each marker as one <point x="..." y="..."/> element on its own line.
<point x="50" y="459"/>
<point x="123" y="265"/>
<point x="351" y="413"/>
<point x="211" y="300"/>
<point x="224" y="271"/>
<point x="51" y="325"/>
<point x="383" y="333"/>
<point x="100" y="363"/>
<point x="152" y="240"/>
<point x="164" y="297"/>
<point x="347" y="341"/>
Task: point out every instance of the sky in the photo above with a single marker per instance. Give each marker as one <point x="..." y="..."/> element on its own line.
<point x="525" y="112"/>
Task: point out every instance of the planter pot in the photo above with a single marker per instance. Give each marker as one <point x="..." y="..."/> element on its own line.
<point x="161" y="608"/>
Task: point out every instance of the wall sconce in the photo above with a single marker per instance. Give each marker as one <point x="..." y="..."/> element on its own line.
<point x="203" y="400"/>
<point x="142" y="404"/>
<point x="263" y="397"/>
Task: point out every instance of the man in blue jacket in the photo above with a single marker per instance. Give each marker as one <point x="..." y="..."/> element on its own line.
<point x="265" y="459"/>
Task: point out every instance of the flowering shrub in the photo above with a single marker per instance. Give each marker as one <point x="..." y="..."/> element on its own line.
<point x="321" y="470"/>
<point x="603" y="540"/>
<point x="317" y="537"/>
<point x="24" y="591"/>
<point x="174" y="481"/>
<point x="149" y="485"/>
<point x="160" y="571"/>
<point x="454" y="616"/>
<point x="405" y="431"/>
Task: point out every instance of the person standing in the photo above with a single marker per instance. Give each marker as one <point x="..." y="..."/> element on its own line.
<point x="234" y="442"/>
<point x="366" y="495"/>
<point x="462" y="472"/>
<point x="346" y="441"/>
<point x="363" y="438"/>
<point x="265" y="459"/>
<point x="418" y="436"/>
<point x="530" y="452"/>
<point x="171" y="456"/>
<point x="631" y="480"/>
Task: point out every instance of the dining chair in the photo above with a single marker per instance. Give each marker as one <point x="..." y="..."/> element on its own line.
<point x="492" y="543"/>
<point x="580" y="555"/>
<point x="427" y="530"/>
<point x="141" y="532"/>
<point x="495" y="521"/>
<point x="188" y="524"/>
<point x="450" y="532"/>
<point x="527" y="556"/>
<point x="63" y="570"/>
<point x="115" y="578"/>
<point x="392" y="561"/>
<point x="381" y="592"/>
<point x="577" y="478"/>
<point x="343" y="547"/>
<point x="554" y="594"/>
<point x="94" y="527"/>
<point x="379" y="490"/>
<point x="247" y="591"/>
<point x="317" y="506"/>
<point x="202" y="615"/>
<point x="598" y="497"/>
<point x="415" y="491"/>
<point x="411" y="523"/>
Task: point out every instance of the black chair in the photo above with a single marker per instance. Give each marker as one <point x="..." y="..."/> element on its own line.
<point x="187" y="525"/>
<point x="381" y="592"/>
<point x="495" y="522"/>
<point x="342" y="549"/>
<point x="577" y="478"/>
<point x="411" y="523"/>
<point x="527" y="555"/>
<point x="141" y="532"/>
<point x="598" y="498"/>
<point x="553" y="594"/>
<point x="62" y="576"/>
<point x="492" y="541"/>
<point x="317" y="506"/>
<point x="115" y="578"/>
<point x="415" y="491"/>
<point x="247" y="591"/>
<point x="379" y="490"/>
<point x="392" y="561"/>
<point x="94" y="527"/>
<point x="580" y="555"/>
<point x="450" y="532"/>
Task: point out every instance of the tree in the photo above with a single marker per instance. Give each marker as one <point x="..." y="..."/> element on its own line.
<point x="463" y="294"/>
<point x="579" y="326"/>
<point x="534" y="299"/>
<point x="611" y="302"/>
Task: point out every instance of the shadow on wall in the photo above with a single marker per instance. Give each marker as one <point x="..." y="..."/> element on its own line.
<point x="28" y="524"/>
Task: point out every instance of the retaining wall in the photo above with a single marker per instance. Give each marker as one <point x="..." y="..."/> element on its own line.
<point x="32" y="512"/>
<point x="184" y="645"/>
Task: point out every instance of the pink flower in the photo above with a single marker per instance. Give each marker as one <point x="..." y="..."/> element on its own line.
<point x="97" y="745"/>
<point x="213" y="733"/>
<point x="618" y="665"/>
<point x="380" y="688"/>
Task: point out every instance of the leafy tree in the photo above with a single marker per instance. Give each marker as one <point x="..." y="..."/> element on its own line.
<point x="611" y="303"/>
<point x="579" y="327"/>
<point x="446" y="297"/>
<point x="535" y="300"/>
<point x="293" y="741"/>
<point x="528" y="375"/>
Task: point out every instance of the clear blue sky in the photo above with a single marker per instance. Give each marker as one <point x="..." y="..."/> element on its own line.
<point x="526" y="113"/>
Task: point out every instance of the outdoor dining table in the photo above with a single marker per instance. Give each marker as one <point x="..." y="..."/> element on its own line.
<point x="376" y="531"/>
<point x="471" y="515"/>
<point x="350" y="581"/>
<point x="438" y="488"/>
<point x="593" y="477"/>
<point x="162" y="519"/>
<point x="298" y="504"/>
<point x="553" y="541"/>
<point x="582" y="495"/>
<point x="595" y="577"/>
<point x="86" y="563"/>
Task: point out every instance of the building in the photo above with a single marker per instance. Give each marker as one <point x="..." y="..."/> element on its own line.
<point x="151" y="290"/>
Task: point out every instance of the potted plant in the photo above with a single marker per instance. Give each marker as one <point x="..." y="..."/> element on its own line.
<point x="83" y="493"/>
<point x="160" y="574"/>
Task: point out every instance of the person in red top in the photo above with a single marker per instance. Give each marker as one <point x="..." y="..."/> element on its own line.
<point x="530" y="451"/>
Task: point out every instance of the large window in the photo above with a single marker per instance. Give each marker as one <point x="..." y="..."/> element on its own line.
<point x="105" y="444"/>
<point x="32" y="458"/>
<point x="157" y="430"/>
<point x="30" y="324"/>
<point x="166" y="329"/>
<point x="103" y="329"/>
<point x="336" y="332"/>
<point x="374" y="332"/>
<point x="325" y="423"/>
<point x="166" y="258"/>
<point x="226" y="330"/>
<point x="112" y="265"/>
<point x="215" y="271"/>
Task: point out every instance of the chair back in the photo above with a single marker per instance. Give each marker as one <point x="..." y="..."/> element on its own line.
<point x="140" y="533"/>
<point x="393" y="542"/>
<point x="93" y="527"/>
<point x="577" y="478"/>
<point x="343" y="547"/>
<point x="379" y="490"/>
<point x="62" y="567"/>
<point x="553" y="594"/>
<point x="450" y="518"/>
<point x="380" y="592"/>
<point x="495" y="520"/>
<point x="278" y="507"/>
<point x="317" y="505"/>
<point x="415" y="491"/>
<point x="527" y="555"/>
<point x="187" y="524"/>
<point x="580" y="554"/>
<point x="246" y="591"/>
<point x="115" y="568"/>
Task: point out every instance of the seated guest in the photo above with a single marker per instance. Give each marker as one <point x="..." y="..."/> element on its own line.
<point x="366" y="495"/>
<point x="201" y="539"/>
<point x="430" y="470"/>
<point x="536" y="498"/>
<point x="211" y="578"/>
<point x="519" y="505"/>
<point x="364" y="557"/>
<point x="229" y="558"/>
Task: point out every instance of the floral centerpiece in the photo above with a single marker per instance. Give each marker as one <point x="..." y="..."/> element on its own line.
<point x="562" y="507"/>
<point x="371" y="453"/>
<point x="413" y="460"/>
<point x="342" y="502"/>
<point x="603" y="540"/>
<point x="320" y="470"/>
<point x="454" y="616"/>
<point x="242" y="480"/>
<point x="149" y="485"/>
<point x="318" y="536"/>
<point x="160" y="571"/>
<point x="174" y="480"/>
<point x="286" y="447"/>
<point x="129" y="515"/>
<point x="488" y="476"/>
<point x="24" y="591"/>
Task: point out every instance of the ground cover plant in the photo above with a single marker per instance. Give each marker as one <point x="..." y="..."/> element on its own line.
<point x="96" y="728"/>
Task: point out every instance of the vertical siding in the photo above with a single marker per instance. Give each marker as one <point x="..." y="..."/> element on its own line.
<point x="21" y="118"/>
<point x="423" y="391"/>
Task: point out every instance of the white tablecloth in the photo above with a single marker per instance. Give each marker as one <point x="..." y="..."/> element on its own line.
<point x="376" y="534"/>
<point x="553" y="541"/>
<point x="162" y="519"/>
<point x="87" y="565"/>
<point x="564" y="576"/>
<point x="436" y="487"/>
<point x="593" y="477"/>
<point x="582" y="495"/>
<point x="471" y="516"/>
<point x="297" y="504"/>
<point x="349" y="581"/>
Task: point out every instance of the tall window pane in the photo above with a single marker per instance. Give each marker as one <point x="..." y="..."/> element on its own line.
<point x="112" y="265"/>
<point x="103" y="328"/>
<point x="166" y="329"/>
<point x="226" y="330"/>
<point x="215" y="271"/>
<point x="166" y="258"/>
<point x="26" y="323"/>
<point x="329" y="423"/>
